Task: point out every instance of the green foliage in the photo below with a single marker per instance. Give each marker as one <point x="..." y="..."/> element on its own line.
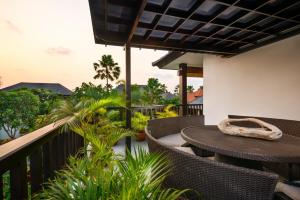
<point x="137" y="177"/>
<point x="113" y="115"/>
<point x="100" y="136"/>
<point x="168" y="112"/>
<point x="90" y="91"/>
<point x="139" y="121"/>
<point x="173" y="101"/>
<point x="87" y="110"/>
<point x="6" y="185"/>
<point x="190" y="88"/>
<point x="137" y="95"/>
<point x="154" y="91"/>
<point x="48" y="100"/>
<point x="100" y="173"/>
<point x="107" y="70"/>
<point x="18" y="110"/>
<point x="176" y="90"/>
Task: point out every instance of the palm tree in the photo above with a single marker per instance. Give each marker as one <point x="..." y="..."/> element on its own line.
<point x="107" y="69"/>
<point x="190" y="88"/>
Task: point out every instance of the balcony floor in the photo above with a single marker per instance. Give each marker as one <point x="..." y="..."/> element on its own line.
<point x="120" y="147"/>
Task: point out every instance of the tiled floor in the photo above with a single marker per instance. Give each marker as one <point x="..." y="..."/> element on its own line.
<point x="120" y="147"/>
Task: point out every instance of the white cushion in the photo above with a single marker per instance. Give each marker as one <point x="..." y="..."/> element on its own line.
<point x="174" y="140"/>
<point x="291" y="191"/>
<point x="211" y="158"/>
<point x="186" y="150"/>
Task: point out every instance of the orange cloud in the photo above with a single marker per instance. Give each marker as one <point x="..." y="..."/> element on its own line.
<point x="58" y="51"/>
<point x="11" y="26"/>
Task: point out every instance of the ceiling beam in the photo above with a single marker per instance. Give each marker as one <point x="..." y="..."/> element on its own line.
<point x="137" y="19"/>
<point x="166" y="6"/>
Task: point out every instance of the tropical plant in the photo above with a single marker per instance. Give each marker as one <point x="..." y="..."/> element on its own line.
<point x="176" y="90"/>
<point x="168" y="112"/>
<point x="137" y="177"/>
<point x="107" y="70"/>
<point x="90" y="91"/>
<point x="18" y="110"/>
<point x="173" y="101"/>
<point x="154" y="91"/>
<point x="114" y="115"/>
<point x="137" y="95"/>
<point x="190" y="88"/>
<point x="87" y="110"/>
<point x="139" y="121"/>
<point x="102" y="174"/>
<point x="48" y="100"/>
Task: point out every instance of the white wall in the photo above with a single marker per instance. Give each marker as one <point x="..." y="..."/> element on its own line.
<point x="261" y="82"/>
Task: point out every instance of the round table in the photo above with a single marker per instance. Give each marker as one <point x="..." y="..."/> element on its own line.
<point x="243" y="151"/>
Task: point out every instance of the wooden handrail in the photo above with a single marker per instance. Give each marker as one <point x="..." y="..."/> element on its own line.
<point x="43" y="151"/>
<point x="10" y="148"/>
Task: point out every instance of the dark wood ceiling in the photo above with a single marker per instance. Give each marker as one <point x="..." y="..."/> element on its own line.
<point x="225" y="27"/>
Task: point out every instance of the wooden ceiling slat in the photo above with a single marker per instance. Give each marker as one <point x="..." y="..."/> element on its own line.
<point x="201" y="21"/>
<point x="215" y="19"/>
<point x="261" y="13"/>
<point x="137" y="18"/>
<point x="186" y="34"/>
<point x="227" y="27"/>
<point x="165" y="10"/>
<point x="252" y="25"/>
<point x="191" y="12"/>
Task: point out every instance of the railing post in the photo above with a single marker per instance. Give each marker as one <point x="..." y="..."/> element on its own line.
<point x="47" y="161"/>
<point x="1" y="186"/>
<point x="183" y="88"/>
<point x="128" y="93"/>
<point x="36" y="173"/>
<point x="18" y="180"/>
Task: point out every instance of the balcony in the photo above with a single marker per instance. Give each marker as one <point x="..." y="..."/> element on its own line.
<point x="248" y="54"/>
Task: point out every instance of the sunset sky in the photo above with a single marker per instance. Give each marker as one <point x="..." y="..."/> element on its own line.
<point x="52" y="41"/>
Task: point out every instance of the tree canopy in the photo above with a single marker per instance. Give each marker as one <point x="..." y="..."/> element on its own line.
<point x="18" y="110"/>
<point x="190" y="88"/>
<point x="90" y="91"/>
<point x="107" y="70"/>
<point x="154" y="91"/>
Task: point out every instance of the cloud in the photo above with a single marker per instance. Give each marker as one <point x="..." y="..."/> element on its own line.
<point x="164" y="76"/>
<point x="59" y="51"/>
<point x="11" y="26"/>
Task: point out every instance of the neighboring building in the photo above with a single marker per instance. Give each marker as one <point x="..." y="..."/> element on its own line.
<point x="54" y="87"/>
<point x="169" y="96"/>
<point x="195" y="97"/>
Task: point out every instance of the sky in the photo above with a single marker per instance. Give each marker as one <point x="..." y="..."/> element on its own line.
<point x="52" y="41"/>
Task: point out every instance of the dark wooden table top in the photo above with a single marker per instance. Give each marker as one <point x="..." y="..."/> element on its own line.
<point x="284" y="150"/>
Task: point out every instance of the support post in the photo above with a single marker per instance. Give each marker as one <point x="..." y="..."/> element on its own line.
<point x="183" y="88"/>
<point x="128" y="93"/>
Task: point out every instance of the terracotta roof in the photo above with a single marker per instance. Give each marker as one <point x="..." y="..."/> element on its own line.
<point x="191" y="96"/>
<point x="54" y="87"/>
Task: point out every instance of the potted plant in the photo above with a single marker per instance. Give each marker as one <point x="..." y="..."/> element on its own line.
<point x="139" y="122"/>
<point x="168" y="112"/>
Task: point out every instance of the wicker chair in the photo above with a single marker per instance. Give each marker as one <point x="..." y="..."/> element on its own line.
<point x="173" y="125"/>
<point x="209" y="178"/>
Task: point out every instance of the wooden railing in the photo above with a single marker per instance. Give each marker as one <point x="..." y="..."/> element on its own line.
<point x="32" y="159"/>
<point x="192" y="109"/>
<point x="29" y="161"/>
